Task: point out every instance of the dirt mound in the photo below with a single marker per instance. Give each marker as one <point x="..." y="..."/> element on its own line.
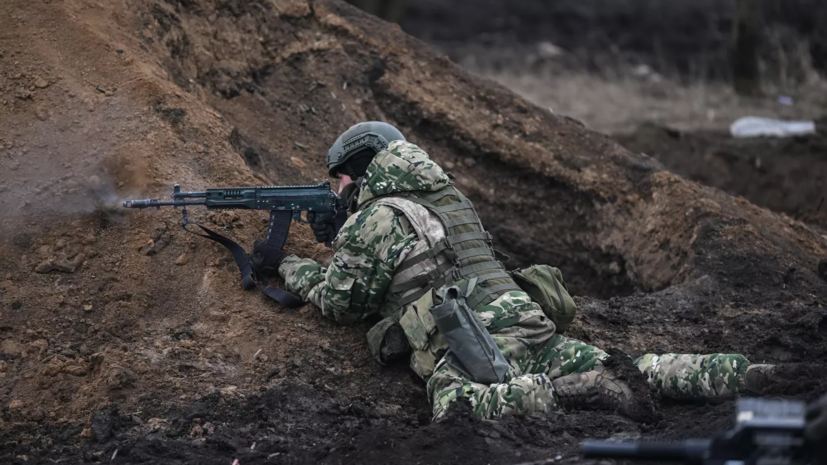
<point x="103" y="308"/>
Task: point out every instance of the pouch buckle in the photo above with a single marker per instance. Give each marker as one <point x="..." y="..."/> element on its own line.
<point x="450" y="252"/>
<point x="432" y="276"/>
<point x="456" y="274"/>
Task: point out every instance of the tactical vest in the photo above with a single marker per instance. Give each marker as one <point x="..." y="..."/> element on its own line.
<point x="453" y="249"/>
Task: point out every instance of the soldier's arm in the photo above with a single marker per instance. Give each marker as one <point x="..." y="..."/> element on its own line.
<point x="369" y="248"/>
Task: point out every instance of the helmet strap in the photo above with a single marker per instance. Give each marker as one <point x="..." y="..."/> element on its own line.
<point x="351" y="195"/>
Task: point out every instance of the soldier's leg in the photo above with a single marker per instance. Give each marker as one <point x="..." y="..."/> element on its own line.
<point x="528" y="388"/>
<point x="561" y="356"/>
<point x="522" y="394"/>
<point x="580" y="379"/>
<point x="688" y="376"/>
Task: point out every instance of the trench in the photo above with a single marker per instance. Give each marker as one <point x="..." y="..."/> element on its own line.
<point x="536" y="219"/>
<point x="785" y="175"/>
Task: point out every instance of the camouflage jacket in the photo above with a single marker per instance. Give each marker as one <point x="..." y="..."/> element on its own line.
<point x="376" y="240"/>
<point x="372" y="243"/>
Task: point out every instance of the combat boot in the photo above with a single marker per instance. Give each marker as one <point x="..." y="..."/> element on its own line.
<point x="758" y="377"/>
<point x="603" y="389"/>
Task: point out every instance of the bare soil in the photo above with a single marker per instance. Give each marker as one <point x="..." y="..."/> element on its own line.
<point x="124" y="339"/>
<point x="784" y="175"/>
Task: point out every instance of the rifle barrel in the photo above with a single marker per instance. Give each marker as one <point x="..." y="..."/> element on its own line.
<point x="155" y="203"/>
<point x="692" y="450"/>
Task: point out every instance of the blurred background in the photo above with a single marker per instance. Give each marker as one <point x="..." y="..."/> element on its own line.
<point x="668" y="78"/>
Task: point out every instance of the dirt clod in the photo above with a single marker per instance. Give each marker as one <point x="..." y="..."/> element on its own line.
<point x="60" y="263"/>
<point x="15" y="408"/>
<point x="76" y="370"/>
<point x="622" y="365"/>
<point x="120" y="378"/>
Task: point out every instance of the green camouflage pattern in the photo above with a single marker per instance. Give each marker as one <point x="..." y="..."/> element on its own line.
<point x="687" y="376"/>
<point x="527" y="388"/>
<point x="516" y="309"/>
<point x="402" y="167"/>
<point x="370" y="246"/>
<point x="515" y="322"/>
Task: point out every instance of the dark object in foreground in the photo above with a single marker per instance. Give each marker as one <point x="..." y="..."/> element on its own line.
<point x="766" y="432"/>
<point x="285" y="203"/>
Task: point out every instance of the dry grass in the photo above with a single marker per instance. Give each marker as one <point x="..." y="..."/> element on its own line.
<point x="621" y="103"/>
<point x="612" y="91"/>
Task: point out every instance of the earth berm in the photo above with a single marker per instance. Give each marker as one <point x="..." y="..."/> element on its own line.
<point x="124" y="339"/>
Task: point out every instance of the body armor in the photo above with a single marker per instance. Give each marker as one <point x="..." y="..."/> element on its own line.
<point x="453" y="250"/>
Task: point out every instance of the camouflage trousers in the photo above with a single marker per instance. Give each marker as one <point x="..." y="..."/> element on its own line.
<point x="528" y="389"/>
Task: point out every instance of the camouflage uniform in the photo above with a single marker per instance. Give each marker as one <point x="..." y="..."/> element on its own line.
<point x="528" y="389"/>
<point x="376" y="240"/>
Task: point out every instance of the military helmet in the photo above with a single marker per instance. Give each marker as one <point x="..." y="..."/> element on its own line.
<point x="374" y="135"/>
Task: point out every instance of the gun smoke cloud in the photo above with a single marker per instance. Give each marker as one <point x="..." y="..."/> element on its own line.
<point x="70" y="163"/>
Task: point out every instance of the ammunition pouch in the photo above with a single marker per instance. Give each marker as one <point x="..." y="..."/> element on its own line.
<point x="545" y="285"/>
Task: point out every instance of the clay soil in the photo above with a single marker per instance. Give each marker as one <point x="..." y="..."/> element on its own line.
<point x="123" y="339"/>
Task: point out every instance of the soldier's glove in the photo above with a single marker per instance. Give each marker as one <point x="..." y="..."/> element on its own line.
<point x="326" y="225"/>
<point x="816" y="416"/>
<point x="266" y="258"/>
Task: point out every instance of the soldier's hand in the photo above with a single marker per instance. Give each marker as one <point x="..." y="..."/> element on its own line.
<point x="325" y="225"/>
<point x="816" y="416"/>
<point x="266" y="258"/>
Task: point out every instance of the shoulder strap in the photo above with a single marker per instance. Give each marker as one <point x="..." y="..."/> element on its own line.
<point x="248" y="274"/>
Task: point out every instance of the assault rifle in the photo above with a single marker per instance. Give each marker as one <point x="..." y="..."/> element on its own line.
<point x="767" y="432"/>
<point x="285" y="203"/>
